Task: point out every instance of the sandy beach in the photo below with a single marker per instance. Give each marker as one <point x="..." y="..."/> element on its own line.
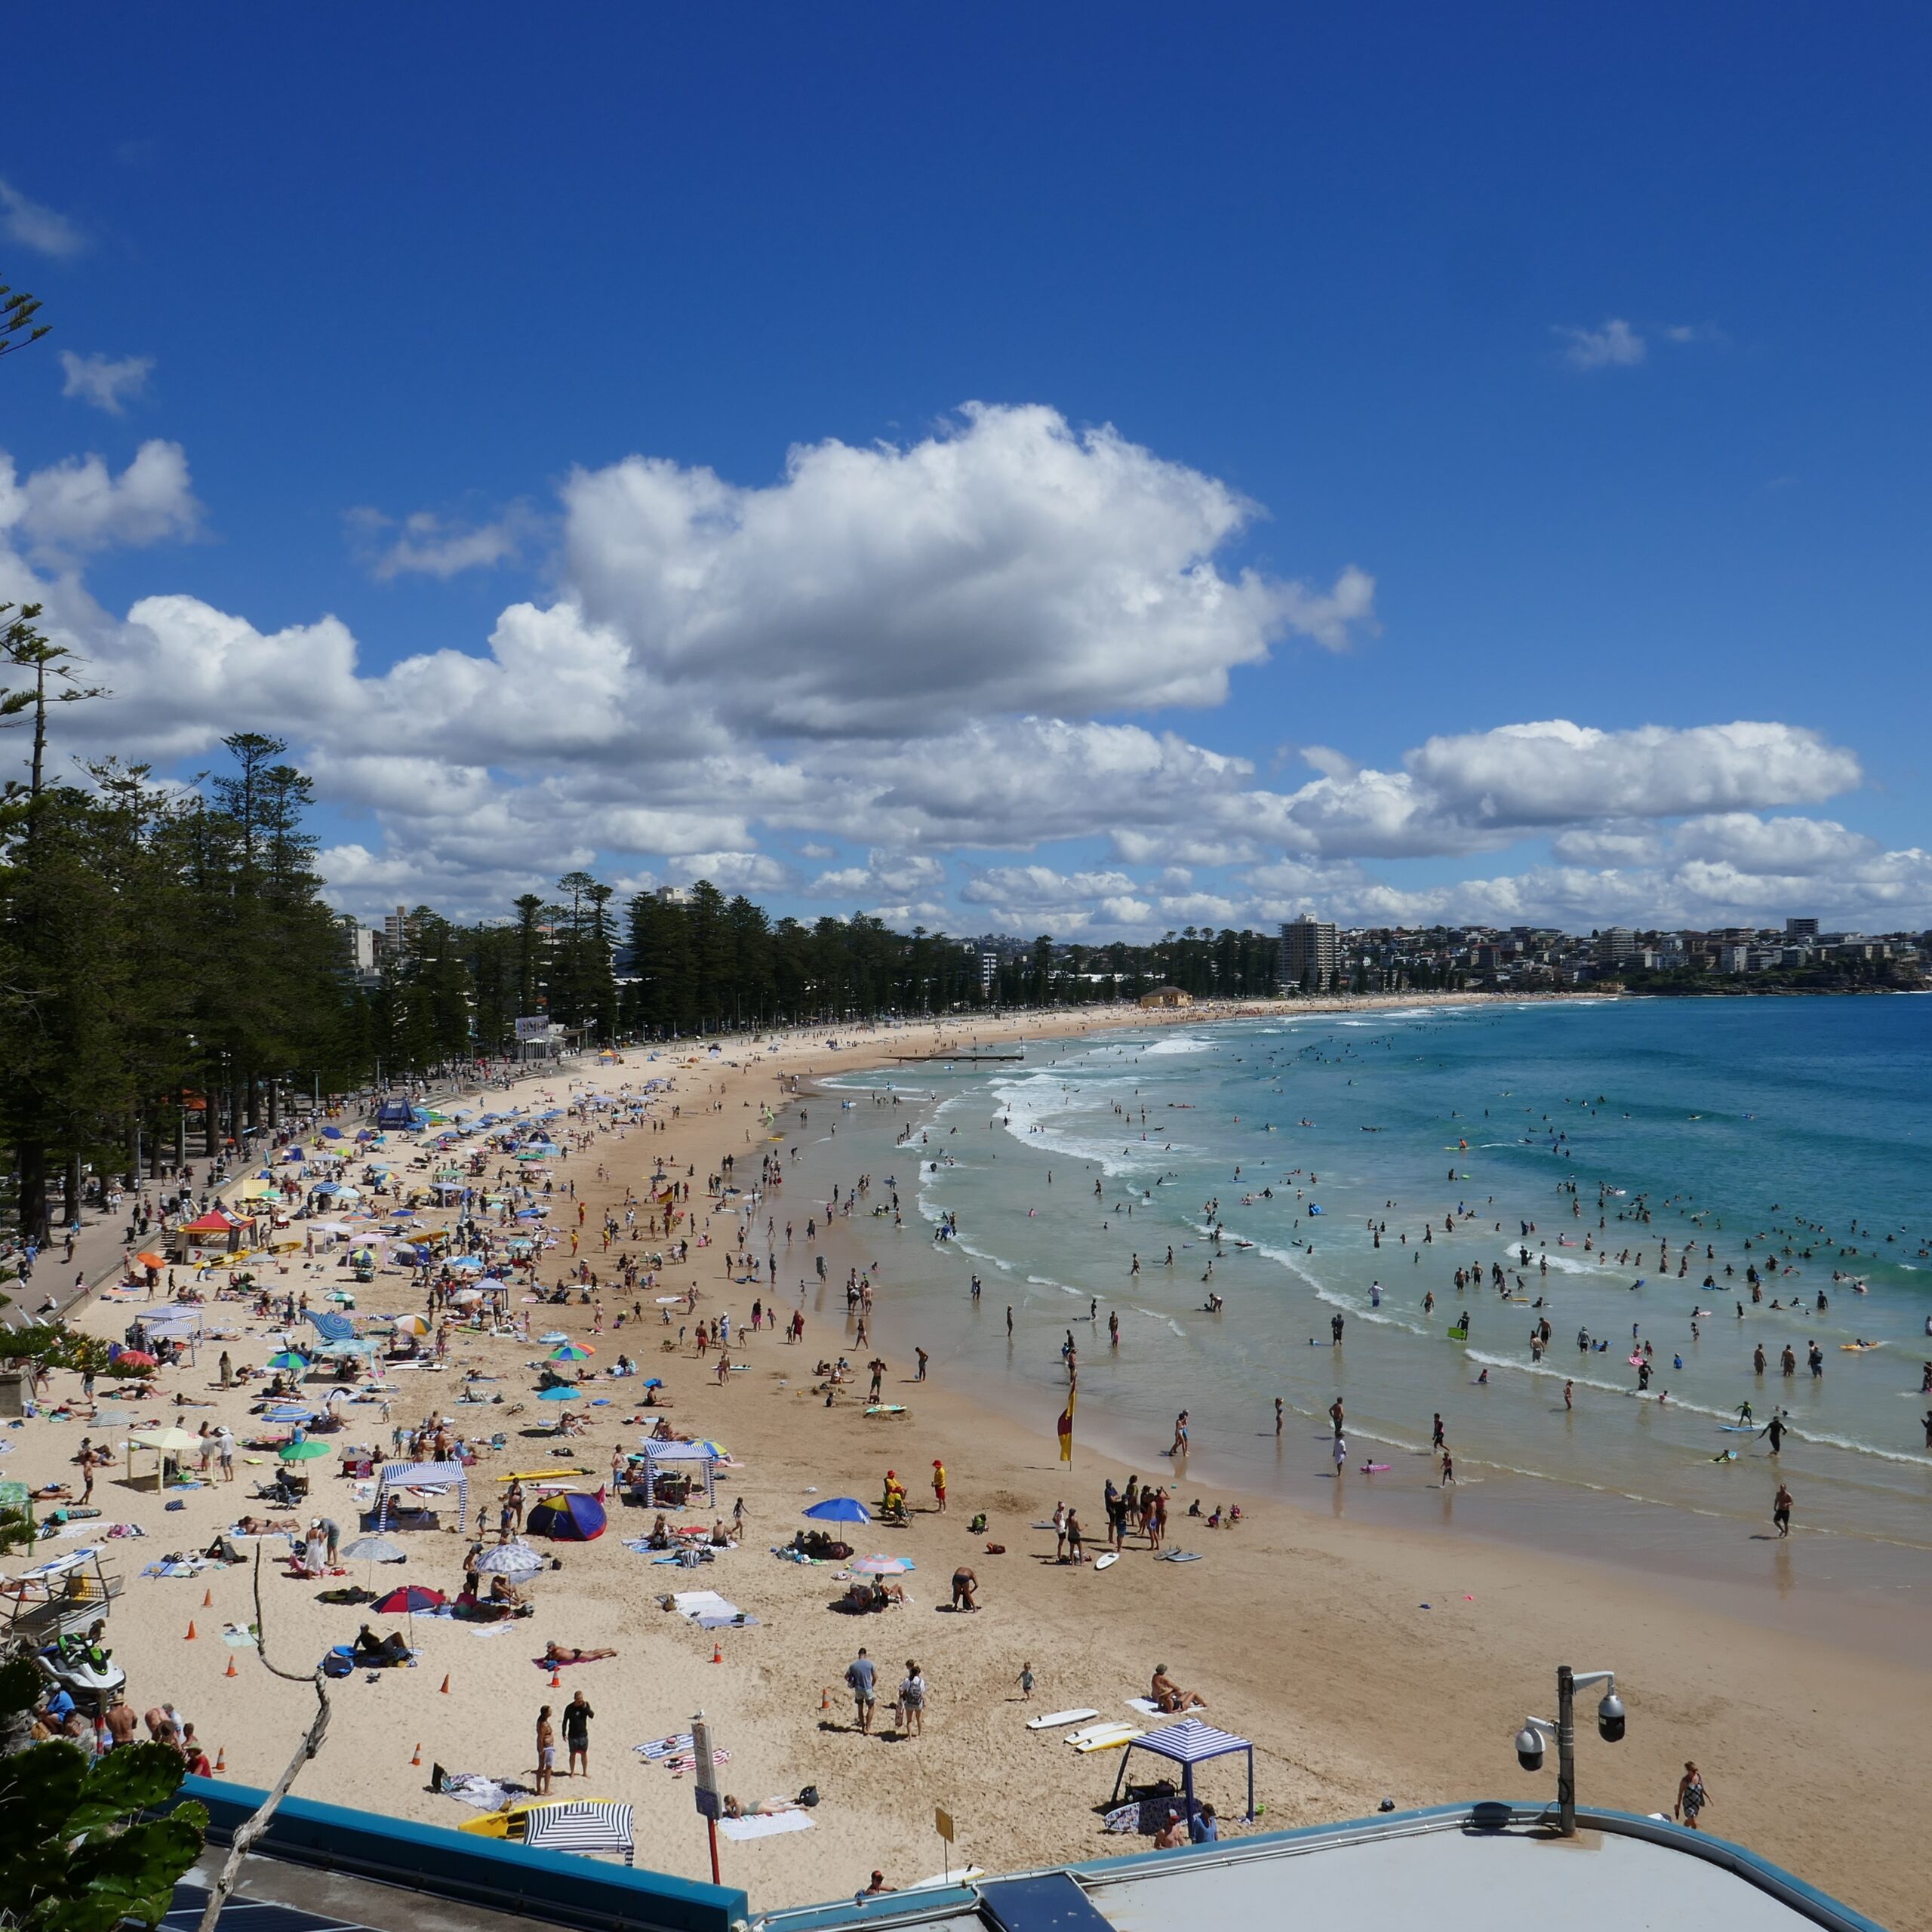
<point x="1364" y="1663"/>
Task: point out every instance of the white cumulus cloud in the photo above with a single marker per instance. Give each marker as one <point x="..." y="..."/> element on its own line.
<point x="78" y="504"/>
<point x="1008" y="562"/>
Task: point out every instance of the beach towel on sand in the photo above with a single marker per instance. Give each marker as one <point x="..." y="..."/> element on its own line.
<point x="765" y="1827"/>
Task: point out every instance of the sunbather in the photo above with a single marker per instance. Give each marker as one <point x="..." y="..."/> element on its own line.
<point x="1168" y="1696"/>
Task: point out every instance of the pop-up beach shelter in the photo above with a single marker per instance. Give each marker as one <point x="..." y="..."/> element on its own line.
<point x="436" y="1478"/>
<point x="1190" y="1743"/>
<point x="568" y="1517"/>
<point x="697" y="1459"/>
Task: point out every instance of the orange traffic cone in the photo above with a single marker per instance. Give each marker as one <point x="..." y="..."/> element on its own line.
<point x="825" y="1697"/>
<point x="446" y="1688"/>
<point x="231" y="1671"/>
<point x="417" y="1758"/>
<point x="190" y="1638"/>
<point x="221" y="1758"/>
<point x="207" y="1599"/>
<point x="556" y="1682"/>
<point x="717" y="1655"/>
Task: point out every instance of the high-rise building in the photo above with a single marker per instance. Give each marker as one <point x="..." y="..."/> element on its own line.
<point x="1620" y="943"/>
<point x="1797" y="931"/>
<point x="1311" y="951"/>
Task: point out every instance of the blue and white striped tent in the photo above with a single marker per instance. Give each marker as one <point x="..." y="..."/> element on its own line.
<point x="580" y="1824"/>
<point x="1189" y="1742"/>
<point x="436" y="1478"/>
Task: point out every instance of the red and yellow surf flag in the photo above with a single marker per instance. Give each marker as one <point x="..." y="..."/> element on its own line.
<point x="1066" y="1429"/>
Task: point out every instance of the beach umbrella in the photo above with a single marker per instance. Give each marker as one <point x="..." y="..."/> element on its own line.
<point x="307" y="1450"/>
<point x="373" y="1550"/>
<point x="512" y="1559"/>
<point x="138" y="1358"/>
<point x="150" y="1260"/>
<point x="560" y="1393"/>
<point x="653" y="1382"/>
<point x="406" y="1602"/>
<point x="412" y="1325"/>
<point x="840" y="1509"/>
<point x="882" y="1566"/>
<point x="555" y="1335"/>
<point x="571" y="1351"/>
<point x="289" y="1359"/>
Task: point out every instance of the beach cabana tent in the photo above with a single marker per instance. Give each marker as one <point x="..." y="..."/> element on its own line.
<point x="1189" y="1742"/>
<point x="698" y="1460"/>
<point x="170" y="1445"/>
<point x="568" y="1517"/>
<point x="396" y="1476"/>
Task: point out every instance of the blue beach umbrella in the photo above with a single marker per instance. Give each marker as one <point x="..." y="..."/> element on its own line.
<point x="840" y="1509"/>
<point x="558" y="1393"/>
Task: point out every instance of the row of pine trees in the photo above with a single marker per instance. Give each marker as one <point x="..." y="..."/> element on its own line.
<point x="170" y="973"/>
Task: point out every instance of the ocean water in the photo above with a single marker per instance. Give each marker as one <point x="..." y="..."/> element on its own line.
<point x="1323" y="1146"/>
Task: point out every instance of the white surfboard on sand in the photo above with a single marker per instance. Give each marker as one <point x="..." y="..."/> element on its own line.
<point x="1054" y="1719"/>
<point x="1112" y="1556"/>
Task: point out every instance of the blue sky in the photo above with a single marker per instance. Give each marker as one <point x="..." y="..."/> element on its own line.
<point x="1379" y="386"/>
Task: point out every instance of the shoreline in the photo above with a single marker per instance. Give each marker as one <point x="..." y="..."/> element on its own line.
<point x="1304" y="1633"/>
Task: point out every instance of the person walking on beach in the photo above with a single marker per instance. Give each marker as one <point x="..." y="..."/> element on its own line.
<point x="862" y="1679"/>
<point x="1781" y="1511"/>
<point x="1277" y="1415"/>
<point x="577" y="1714"/>
<point x="1026" y="1681"/>
<point x="1179" y="1446"/>
<point x="1335" y="1414"/>
<point x="1691" y="1796"/>
<point x="911" y="1709"/>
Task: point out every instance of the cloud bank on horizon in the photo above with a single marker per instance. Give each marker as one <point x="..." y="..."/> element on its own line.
<point x="932" y="680"/>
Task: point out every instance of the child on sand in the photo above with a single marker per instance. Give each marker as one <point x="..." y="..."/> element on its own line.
<point x="1026" y="1680"/>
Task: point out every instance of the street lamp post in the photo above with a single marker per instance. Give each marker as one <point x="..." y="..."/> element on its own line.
<point x="1530" y="1739"/>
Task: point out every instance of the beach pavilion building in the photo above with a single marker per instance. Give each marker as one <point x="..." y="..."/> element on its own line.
<point x="1461" y="1868"/>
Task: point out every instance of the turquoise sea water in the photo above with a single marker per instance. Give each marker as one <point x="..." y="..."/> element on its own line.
<point x="1804" y="1127"/>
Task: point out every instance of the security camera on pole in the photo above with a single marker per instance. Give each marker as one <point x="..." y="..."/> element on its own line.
<point x="1530" y="1739"/>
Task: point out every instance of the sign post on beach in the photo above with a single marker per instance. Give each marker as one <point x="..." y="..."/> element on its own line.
<point x="943" y="1824"/>
<point x="704" y="1779"/>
